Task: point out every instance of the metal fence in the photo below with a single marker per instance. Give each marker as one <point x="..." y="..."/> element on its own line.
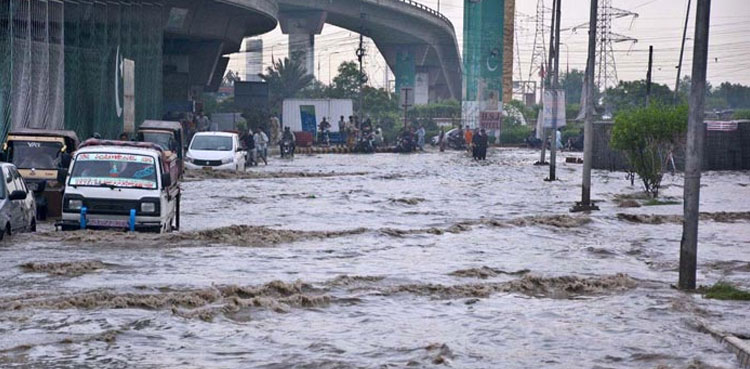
<point x="723" y="150"/>
<point x="59" y="63"/>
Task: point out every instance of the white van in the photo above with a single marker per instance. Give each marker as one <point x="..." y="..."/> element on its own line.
<point x="122" y="185"/>
<point x="217" y="151"/>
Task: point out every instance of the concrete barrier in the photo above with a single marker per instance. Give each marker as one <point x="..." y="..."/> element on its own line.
<point x="739" y="347"/>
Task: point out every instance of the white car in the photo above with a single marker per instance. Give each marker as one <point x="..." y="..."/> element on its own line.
<point x="122" y="185"/>
<point x="17" y="205"/>
<point x="216" y="150"/>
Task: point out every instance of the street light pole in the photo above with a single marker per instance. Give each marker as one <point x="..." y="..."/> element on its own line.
<point x="694" y="149"/>
<point x="555" y="96"/>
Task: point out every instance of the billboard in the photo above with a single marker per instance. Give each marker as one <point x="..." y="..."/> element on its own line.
<point x="483" y="58"/>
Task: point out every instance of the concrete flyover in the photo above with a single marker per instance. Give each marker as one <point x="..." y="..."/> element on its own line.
<point x="418" y="43"/>
<point x="197" y="35"/>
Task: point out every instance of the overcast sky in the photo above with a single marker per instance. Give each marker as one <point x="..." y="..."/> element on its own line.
<point x="659" y="24"/>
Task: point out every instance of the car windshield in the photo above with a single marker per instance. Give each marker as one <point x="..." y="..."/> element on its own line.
<point x="212" y="143"/>
<point x="114" y="170"/>
<point x="162" y="139"/>
<point x="35" y="154"/>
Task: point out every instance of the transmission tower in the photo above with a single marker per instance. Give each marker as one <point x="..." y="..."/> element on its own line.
<point x="606" y="75"/>
<point x="539" y="50"/>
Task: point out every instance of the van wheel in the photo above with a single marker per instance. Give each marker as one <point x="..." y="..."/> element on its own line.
<point x="33" y="226"/>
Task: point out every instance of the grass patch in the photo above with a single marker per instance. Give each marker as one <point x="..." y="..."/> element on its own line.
<point x="725" y="291"/>
<point x="656" y="202"/>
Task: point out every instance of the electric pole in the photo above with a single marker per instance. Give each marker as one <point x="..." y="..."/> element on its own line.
<point x="588" y="127"/>
<point x="682" y="52"/>
<point x="694" y="149"/>
<point x="555" y="96"/>
<point x="547" y="79"/>
<point x="648" y="74"/>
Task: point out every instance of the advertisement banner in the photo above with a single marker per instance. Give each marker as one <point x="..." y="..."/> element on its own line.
<point x="491" y="120"/>
<point x="549" y="107"/>
<point x="483" y="57"/>
<point x="309" y="121"/>
<point x="128" y="76"/>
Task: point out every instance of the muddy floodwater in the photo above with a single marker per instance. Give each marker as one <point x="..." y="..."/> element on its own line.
<point x="386" y="261"/>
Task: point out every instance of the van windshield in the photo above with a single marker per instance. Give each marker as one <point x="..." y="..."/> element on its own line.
<point x="164" y="140"/>
<point x="212" y="143"/>
<point x="114" y="170"/>
<point x="35" y="154"/>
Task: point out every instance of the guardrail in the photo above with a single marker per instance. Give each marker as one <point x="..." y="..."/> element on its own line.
<point x="427" y="9"/>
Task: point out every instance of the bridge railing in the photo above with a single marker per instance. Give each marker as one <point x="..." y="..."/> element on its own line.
<point x="427" y="9"/>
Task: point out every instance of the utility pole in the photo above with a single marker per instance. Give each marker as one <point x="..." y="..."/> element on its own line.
<point x="648" y="74"/>
<point x="588" y="127"/>
<point x="694" y="149"/>
<point x="555" y="96"/>
<point x="547" y="79"/>
<point x="682" y="52"/>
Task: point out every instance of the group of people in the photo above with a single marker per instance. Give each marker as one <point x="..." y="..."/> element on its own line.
<point x="256" y="144"/>
<point x="359" y="134"/>
<point x="476" y="141"/>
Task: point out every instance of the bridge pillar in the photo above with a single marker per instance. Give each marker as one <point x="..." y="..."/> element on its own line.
<point x="302" y="26"/>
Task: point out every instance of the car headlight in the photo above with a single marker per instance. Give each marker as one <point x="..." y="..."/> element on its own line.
<point x="227" y="160"/>
<point x="75" y="204"/>
<point x="148" y="207"/>
<point x="188" y="158"/>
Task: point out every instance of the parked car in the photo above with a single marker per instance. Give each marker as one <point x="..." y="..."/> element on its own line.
<point x="217" y="151"/>
<point x="17" y="205"/>
<point x="122" y="185"/>
<point x="39" y="155"/>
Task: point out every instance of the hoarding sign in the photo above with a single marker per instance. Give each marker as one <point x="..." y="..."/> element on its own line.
<point x="307" y="115"/>
<point x="491" y="120"/>
<point x="549" y="107"/>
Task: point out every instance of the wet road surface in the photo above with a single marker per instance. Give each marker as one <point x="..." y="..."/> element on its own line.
<point x="347" y="261"/>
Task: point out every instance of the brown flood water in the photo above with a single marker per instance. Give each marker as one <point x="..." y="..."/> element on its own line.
<point x="385" y="261"/>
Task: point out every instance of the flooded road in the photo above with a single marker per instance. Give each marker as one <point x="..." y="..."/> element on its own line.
<point x="386" y="261"/>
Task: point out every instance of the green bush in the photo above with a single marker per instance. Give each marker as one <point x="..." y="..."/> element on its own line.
<point x="646" y="136"/>
<point x="741" y="114"/>
<point x="514" y="134"/>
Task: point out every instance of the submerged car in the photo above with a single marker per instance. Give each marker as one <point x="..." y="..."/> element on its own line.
<point x="217" y="151"/>
<point x="17" y="205"/>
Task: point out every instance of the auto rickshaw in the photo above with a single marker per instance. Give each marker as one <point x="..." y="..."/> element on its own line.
<point x="42" y="158"/>
<point x="169" y="135"/>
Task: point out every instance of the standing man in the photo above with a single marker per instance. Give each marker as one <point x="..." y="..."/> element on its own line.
<point x="275" y="130"/>
<point x="202" y="121"/>
<point x="441" y="139"/>
<point x="261" y="145"/>
<point x="342" y="129"/>
<point x="481" y="140"/>
<point x="469" y="139"/>
<point x="214" y="125"/>
<point x="420" y="137"/>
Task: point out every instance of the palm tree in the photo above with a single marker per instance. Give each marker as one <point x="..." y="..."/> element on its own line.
<point x="285" y="79"/>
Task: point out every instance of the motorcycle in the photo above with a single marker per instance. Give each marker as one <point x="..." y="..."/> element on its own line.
<point x="405" y="145"/>
<point x="456" y="143"/>
<point x="287" y="150"/>
<point x="365" y="144"/>
<point x="324" y="137"/>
